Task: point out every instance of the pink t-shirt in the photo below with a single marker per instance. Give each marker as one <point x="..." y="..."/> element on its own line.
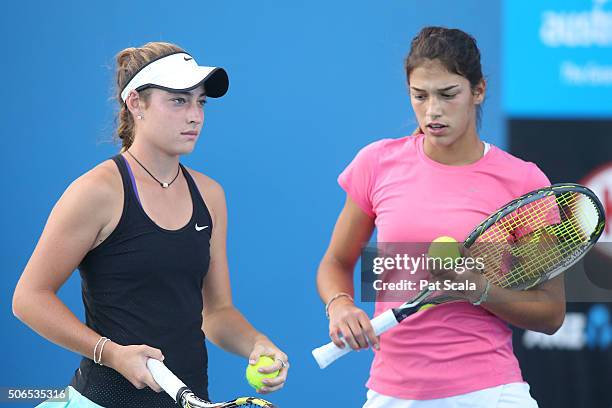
<point x="454" y="348"/>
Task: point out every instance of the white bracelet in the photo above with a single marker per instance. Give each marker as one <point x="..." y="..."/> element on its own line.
<point x="101" y="350"/>
<point x="336" y="296"/>
<point x="96" y="349"/>
<point x="484" y="295"/>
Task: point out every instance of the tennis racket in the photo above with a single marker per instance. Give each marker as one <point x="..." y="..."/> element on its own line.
<point x="526" y="242"/>
<point x="185" y="398"/>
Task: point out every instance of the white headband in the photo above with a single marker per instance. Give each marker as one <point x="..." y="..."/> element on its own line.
<point x="178" y="72"/>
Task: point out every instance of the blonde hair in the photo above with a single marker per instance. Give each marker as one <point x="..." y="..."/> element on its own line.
<point x="129" y="61"/>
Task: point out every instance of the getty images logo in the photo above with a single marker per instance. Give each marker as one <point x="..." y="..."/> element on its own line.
<point x="587" y="28"/>
<point x="579" y="331"/>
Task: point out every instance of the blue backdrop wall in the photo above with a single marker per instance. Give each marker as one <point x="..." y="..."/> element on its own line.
<point x="311" y="83"/>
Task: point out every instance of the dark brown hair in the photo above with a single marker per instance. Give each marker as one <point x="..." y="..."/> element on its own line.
<point x="129" y="62"/>
<point x="455" y="49"/>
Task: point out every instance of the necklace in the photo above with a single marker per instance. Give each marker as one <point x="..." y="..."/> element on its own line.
<point x="161" y="183"/>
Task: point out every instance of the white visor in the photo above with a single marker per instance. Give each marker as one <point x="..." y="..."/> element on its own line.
<point x="178" y="72"/>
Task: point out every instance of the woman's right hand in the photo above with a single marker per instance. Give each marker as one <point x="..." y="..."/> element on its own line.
<point x="350" y="323"/>
<point x="131" y="362"/>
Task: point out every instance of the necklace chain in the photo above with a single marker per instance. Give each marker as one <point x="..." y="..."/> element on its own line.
<point x="161" y="183"/>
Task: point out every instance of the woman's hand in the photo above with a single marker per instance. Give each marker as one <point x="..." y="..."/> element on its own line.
<point x="350" y="323"/>
<point x="264" y="347"/>
<point x="466" y="282"/>
<point x="131" y="362"/>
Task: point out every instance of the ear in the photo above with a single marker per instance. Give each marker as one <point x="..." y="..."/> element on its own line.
<point x="133" y="103"/>
<point x="479" y="92"/>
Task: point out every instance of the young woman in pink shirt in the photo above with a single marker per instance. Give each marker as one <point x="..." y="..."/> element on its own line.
<point x="443" y="180"/>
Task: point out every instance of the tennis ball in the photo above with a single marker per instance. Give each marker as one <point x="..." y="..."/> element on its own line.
<point x="444" y="247"/>
<point x="254" y="377"/>
<point x="427" y="306"/>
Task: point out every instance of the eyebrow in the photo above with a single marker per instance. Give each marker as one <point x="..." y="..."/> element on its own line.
<point x="186" y="93"/>
<point x="448" y="88"/>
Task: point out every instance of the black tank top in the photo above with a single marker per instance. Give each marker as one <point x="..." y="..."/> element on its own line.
<point x="143" y="285"/>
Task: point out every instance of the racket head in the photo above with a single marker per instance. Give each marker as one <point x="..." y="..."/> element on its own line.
<point x="538" y="235"/>
<point x="190" y="400"/>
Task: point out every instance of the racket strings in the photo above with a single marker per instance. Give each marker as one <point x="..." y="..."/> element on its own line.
<point x="522" y="247"/>
<point x="233" y="404"/>
<point x="243" y="402"/>
<point x="563" y="235"/>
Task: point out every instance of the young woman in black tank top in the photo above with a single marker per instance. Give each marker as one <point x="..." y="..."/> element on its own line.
<point x="148" y="237"/>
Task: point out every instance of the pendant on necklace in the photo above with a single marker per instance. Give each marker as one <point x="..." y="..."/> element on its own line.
<point x="165" y="185"/>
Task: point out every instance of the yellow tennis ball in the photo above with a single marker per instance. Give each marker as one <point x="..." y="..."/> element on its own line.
<point x="444" y="247"/>
<point x="254" y="377"/>
<point x="427" y="306"/>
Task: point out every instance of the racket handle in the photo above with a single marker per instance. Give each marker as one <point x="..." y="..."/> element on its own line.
<point x="165" y="378"/>
<point x="327" y="354"/>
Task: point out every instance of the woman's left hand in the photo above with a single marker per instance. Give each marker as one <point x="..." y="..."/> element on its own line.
<point x="466" y="282"/>
<point x="265" y="347"/>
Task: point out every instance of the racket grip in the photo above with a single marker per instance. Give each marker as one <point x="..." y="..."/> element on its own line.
<point x="384" y="322"/>
<point x="165" y="378"/>
<point x="327" y="354"/>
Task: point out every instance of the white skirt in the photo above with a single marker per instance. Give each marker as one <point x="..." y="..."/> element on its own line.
<point x="514" y="395"/>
